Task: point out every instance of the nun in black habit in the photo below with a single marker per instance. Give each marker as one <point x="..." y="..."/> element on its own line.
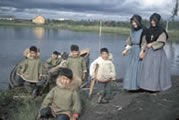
<point x="155" y="70"/>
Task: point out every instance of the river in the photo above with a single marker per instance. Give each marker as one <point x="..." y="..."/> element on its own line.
<point x="15" y="39"/>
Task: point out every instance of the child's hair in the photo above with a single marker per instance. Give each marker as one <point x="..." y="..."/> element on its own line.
<point x="33" y="48"/>
<point x="56" y="53"/>
<point x="104" y="50"/>
<point x="74" y="48"/>
<point x="59" y="53"/>
<point x="65" y="55"/>
<point x="66" y="72"/>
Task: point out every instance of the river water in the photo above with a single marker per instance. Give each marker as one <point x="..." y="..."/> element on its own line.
<point x="13" y="41"/>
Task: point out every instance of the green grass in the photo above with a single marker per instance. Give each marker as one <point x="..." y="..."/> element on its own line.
<point x="173" y="33"/>
<point x="5" y="97"/>
<point x="28" y="111"/>
<point x="18" y="108"/>
<point x="26" y="108"/>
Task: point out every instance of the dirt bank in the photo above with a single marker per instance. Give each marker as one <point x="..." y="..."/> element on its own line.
<point x="138" y="106"/>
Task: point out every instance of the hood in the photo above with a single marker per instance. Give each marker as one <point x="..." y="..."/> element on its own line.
<point x="156" y="17"/>
<point x="138" y="20"/>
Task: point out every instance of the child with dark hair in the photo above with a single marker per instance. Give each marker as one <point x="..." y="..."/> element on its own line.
<point x="33" y="48"/>
<point x="29" y="72"/>
<point x="77" y="64"/>
<point x="104" y="50"/>
<point x="54" y="60"/>
<point x="105" y="73"/>
<point x="74" y="48"/>
<point x="62" y="102"/>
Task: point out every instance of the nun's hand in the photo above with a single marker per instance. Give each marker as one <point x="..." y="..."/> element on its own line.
<point x="149" y="45"/>
<point x="124" y="52"/>
<point x="141" y="55"/>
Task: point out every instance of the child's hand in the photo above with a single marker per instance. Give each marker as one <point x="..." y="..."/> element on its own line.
<point x="124" y="52"/>
<point x="113" y="79"/>
<point x="40" y="77"/>
<point x="72" y="118"/>
<point x="84" y="75"/>
<point x="38" y="116"/>
<point x="75" y="116"/>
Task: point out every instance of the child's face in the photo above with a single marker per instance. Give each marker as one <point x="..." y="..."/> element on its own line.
<point x="75" y="53"/>
<point x="33" y="54"/>
<point x="105" y="55"/>
<point x="65" y="81"/>
<point x="54" y="56"/>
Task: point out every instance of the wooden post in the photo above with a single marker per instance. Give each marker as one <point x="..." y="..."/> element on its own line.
<point x="167" y="26"/>
<point x="93" y="80"/>
<point x="100" y="31"/>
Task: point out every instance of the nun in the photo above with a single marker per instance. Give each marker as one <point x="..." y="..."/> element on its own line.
<point x="155" y="72"/>
<point x="134" y="51"/>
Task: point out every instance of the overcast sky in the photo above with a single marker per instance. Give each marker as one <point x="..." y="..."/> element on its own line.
<point x="86" y="9"/>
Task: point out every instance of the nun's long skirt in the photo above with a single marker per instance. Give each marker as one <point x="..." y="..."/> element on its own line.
<point x="133" y="63"/>
<point x="155" y="71"/>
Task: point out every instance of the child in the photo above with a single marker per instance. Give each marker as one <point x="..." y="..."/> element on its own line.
<point x="29" y="72"/>
<point x="105" y="73"/>
<point x="54" y="60"/>
<point x="62" y="102"/>
<point x="77" y="64"/>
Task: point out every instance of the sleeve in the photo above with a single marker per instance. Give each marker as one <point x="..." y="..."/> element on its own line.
<point x="113" y="72"/>
<point x="92" y="68"/>
<point x="48" y="99"/>
<point x="143" y="43"/>
<point x="22" y="67"/>
<point x="128" y="43"/>
<point x="76" y="108"/>
<point x="160" y="42"/>
<point x="49" y="60"/>
<point x="84" y="65"/>
<point x="40" y="67"/>
<point x="64" y="63"/>
<point x="59" y="61"/>
<point x="56" y="68"/>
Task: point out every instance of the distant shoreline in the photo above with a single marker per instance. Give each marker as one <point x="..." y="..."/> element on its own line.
<point x="173" y="34"/>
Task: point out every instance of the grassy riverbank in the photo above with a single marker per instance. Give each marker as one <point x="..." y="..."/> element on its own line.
<point x="89" y="28"/>
<point x="121" y="29"/>
<point x="149" y="106"/>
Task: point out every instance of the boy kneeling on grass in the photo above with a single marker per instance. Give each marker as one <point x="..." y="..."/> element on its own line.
<point x="62" y="102"/>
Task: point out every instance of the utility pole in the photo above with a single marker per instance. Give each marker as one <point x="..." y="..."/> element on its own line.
<point x="100" y="33"/>
<point x="174" y="13"/>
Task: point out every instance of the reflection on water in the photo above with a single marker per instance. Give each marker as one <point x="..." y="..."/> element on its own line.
<point x="38" y="32"/>
<point x="172" y="51"/>
<point x="14" y="40"/>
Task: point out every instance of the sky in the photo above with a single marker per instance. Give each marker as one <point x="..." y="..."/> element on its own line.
<point x="120" y="10"/>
